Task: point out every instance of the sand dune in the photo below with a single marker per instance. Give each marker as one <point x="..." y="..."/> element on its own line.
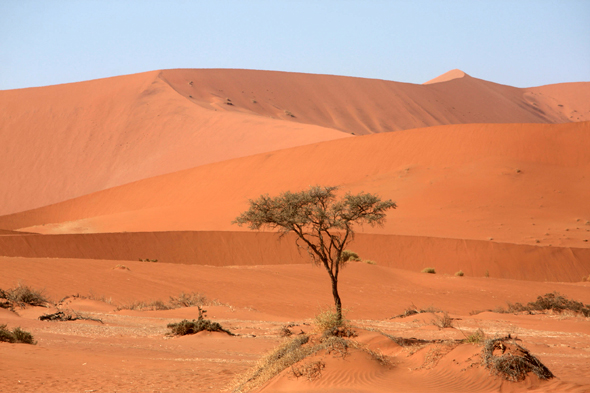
<point x="75" y="139"/>
<point x="518" y="183"/>
<point x="64" y="141"/>
<point x="414" y="253"/>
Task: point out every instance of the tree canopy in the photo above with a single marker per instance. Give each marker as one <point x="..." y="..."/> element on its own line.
<point x="323" y="222"/>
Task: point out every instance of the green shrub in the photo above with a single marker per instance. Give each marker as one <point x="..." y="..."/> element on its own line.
<point x="429" y="270"/>
<point x="460" y="273"/>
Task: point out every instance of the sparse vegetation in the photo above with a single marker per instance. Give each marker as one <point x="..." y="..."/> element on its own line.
<point x="487" y="274"/>
<point x="22" y="296"/>
<point x="147" y="260"/>
<point x="551" y="301"/>
<point x="477" y="337"/>
<point x="67" y="316"/>
<point x="310" y="370"/>
<point x="369" y="262"/>
<point x="429" y="270"/>
<point x="183" y="300"/>
<point x="288" y="113"/>
<point x="460" y="273"/>
<point x="412" y="310"/>
<point x="294" y="351"/>
<point x="121" y="267"/>
<point x="15" y="336"/>
<point x="442" y="322"/>
<point x="186" y="327"/>
<point x="504" y="357"/>
<point x="348" y="255"/>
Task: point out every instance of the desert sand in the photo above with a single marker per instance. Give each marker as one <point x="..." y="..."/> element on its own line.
<point x="103" y="175"/>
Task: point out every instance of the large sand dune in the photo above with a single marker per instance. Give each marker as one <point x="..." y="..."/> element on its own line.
<point x="64" y="141"/>
<point x="519" y="183"/>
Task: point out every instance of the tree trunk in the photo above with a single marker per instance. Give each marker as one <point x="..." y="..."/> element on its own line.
<point x="337" y="301"/>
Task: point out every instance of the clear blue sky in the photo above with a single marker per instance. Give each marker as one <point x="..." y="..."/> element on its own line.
<point x="519" y="42"/>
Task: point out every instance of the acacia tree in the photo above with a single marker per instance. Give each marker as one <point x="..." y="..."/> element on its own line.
<point x="322" y="222"/>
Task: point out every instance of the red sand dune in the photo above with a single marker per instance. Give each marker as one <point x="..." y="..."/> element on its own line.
<point x="519" y="183"/>
<point x="414" y="253"/>
<point x="74" y="139"/>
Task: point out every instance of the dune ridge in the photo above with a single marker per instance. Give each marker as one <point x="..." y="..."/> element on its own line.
<point x="519" y="183"/>
<point x="224" y="248"/>
<point x="74" y="139"/>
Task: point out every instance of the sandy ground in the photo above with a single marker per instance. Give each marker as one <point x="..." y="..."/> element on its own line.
<point x="130" y="351"/>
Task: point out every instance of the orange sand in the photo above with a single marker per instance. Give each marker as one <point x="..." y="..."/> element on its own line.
<point x="157" y="165"/>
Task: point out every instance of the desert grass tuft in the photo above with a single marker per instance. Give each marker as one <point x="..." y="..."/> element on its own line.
<point x="477" y="337"/>
<point x="460" y="273"/>
<point x="442" y="322"/>
<point x="348" y="255"/>
<point x="23" y="296"/>
<point x="429" y="270"/>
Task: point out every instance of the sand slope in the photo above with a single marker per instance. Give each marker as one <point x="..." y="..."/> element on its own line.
<point x="73" y="139"/>
<point x="516" y="183"/>
<point x="63" y="141"/>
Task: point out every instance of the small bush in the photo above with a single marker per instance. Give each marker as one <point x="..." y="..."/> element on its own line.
<point x="15" y="336"/>
<point x="460" y="273"/>
<point x="190" y="300"/>
<point x="511" y="361"/>
<point x="327" y="320"/>
<point x="476" y="337"/>
<point x="369" y="262"/>
<point x="288" y="113"/>
<point x="442" y="322"/>
<point x="551" y="301"/>
<point x="185" y="327"/>
<point x="22" y="295"/>
<point x="348" y="255"/>
<point x="429" y="270"/>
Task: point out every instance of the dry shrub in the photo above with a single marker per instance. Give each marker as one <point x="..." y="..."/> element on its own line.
<point x="21" y="296"/>
<point x="369" y="262"/>
<point x="67" y="316"/>
<point x="309" y="370"/>
<point x="348" y="255"/>
<point x="183" y="300"/>
<point x="284" y="356"/>
<point x="413" y="310"/>
<point x="511" y="361"/>
<point x="327" y="320"/>
<point x="156" y="305"/>
<point x="550" y="301"/>
<point x="294" y="351"/>
<point x="460" y="273"/>
<point x="476" y="337"/>
<point x="15" y="336"/>
<point x="429" y="270"/>
<point x="442" y="322"/>
<point x="186" y="327"/>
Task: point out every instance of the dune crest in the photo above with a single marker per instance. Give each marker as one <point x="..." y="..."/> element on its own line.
<point x="447" y="76"/>
<point x="74" y="139"/>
